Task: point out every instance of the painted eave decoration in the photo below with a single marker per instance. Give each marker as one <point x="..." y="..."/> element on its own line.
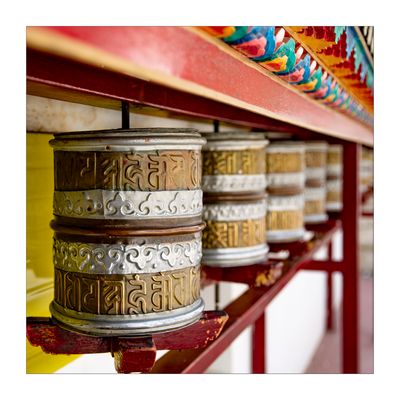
<point x="331" y="64"/>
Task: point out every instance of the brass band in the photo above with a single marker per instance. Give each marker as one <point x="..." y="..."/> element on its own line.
<point x="144" y="171"/>
<point x="126" y="294"/>
<point x="312" y="207"/>
<point x="284" y="162"/>
<point x="285" y="220"/>
<point x="334" y="155"/>
<point x="224" y="234"/>
<point x="247" y="162"/>
<point x="334" y="196"/>
<point x="315" y="159"/>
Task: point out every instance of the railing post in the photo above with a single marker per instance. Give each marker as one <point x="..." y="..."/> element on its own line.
<point x="258" y="354"/>
<point x="350" y="214"/>
<point x="329" y="294"/>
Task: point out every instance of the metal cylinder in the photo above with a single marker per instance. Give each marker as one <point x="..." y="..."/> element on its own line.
<point x="234" y="185"/>
<point x="315" y="190"/>
<point x="285" y="167"/>
<point x="334" y="183"/>
<point x="127" y="230"/>
<point x="366" y="169"/>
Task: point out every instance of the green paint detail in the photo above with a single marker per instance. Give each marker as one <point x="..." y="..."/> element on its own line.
<point x="338" y="32"/>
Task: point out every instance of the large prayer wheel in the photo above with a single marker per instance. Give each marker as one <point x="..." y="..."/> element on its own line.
<point x="285" y="167"/>
<point x="127" y="230"/>
<point x="234" y="185"/>
<point x="334" y="180"/>
<point x="315" y="190"/>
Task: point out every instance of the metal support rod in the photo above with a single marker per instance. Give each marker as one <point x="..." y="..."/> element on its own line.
<point x="125" y="114"/>
<point x="350" y="214"/>
<point x="216" y="125"/>
<point x="258" y="354"/>
<point x="216" y="292"/>
<point x="329" y="294"/>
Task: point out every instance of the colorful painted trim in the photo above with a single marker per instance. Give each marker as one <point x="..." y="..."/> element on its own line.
<point x="275" y="50"/>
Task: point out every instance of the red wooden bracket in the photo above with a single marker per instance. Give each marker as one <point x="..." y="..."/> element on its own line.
<point x="262" y="274"/>
<point x="131" y="354"/>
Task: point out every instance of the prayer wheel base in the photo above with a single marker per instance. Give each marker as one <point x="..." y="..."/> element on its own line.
<point x="235" y="257"/>
<point x="315" y="218"/>
<point x="127" y="325"/>
<point x="285" y="236"/>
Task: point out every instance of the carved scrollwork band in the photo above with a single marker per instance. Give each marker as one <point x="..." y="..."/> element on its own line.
<point x="234" y="183"/>
<point x="279" y="180"/>
<point x="126" y="294"/>
<point x="145" y="256"/>
<point x="315" y="159"/>
<point x="234" y="212"/>
<point x="283" y="203"/>
<point x="285" y="162"/>
<point x="246" y="162"/>
<point x="223" y="234"/>
<point x="145" y="171"/>
<point x="108" y="204"/>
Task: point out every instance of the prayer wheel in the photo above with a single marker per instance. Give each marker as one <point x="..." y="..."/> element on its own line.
<point x="334" y="183"/>
<point x="285" y="167"/>
<point x="234" y="185"/>
<point x="127" y="230"/>
<point x="315" y="190"/>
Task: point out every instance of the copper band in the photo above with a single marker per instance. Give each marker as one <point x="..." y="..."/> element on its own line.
<point x="284" y="162"/>
<point x="247" y="162"/>
<point x="312" y="207"/>
<point x="333" y="196"/>
<point x="144" y="171"/>
<point x="285" y="190"/>
<point x="285" y="220"/>
<point x="315" y="159"/>
<point x="334" y="157"/>
<point x="223" y="234"/>
<point x="126" y="294"/>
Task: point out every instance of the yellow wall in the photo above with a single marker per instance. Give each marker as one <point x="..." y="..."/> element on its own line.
<point x="39" y="277"/>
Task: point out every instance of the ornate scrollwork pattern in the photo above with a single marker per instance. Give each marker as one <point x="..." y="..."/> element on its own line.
<point x="230" y="162"/>
<point x="107" y="204"/>
<point x="147" y="171"/>
<point x="223" y="234"/>
<point x="126" y="294"/>
<point x="315" y="159"/>
<point x="142" y="257"/>
<point x="234" y="212"/>
<point x="234" y="183"/>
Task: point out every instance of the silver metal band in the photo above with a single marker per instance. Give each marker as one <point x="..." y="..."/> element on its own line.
<point x="286" y="147"/>
<point x="285" y="203"/>
<point x="289" y="179"/>
<point x="110" y="204"/>
<point x="334" y="185"/>
<point x="235" y="257"/>
<point x="334" y="169"/>
<point x="234" y="183"/>
<point x="235" y="212"/>
<point x="334" y="206"/>
<point x="318" y="193"/>
<point x="128" y="325"/>
<point x="316" y="173"/>
<point x="315" y="218"/>
<point x="145" y="257"/>
<point x="290" y="235"/>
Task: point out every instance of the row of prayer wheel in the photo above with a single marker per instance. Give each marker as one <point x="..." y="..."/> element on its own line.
<point x="131" y="231"/>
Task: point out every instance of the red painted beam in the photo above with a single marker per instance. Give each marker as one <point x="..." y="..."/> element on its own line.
<point x="191" y="62"/>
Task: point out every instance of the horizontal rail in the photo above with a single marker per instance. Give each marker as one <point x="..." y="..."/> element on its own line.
<point x="243" y="312"/>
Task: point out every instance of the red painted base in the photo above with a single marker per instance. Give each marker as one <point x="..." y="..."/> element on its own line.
<point x="130" y="354"/>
